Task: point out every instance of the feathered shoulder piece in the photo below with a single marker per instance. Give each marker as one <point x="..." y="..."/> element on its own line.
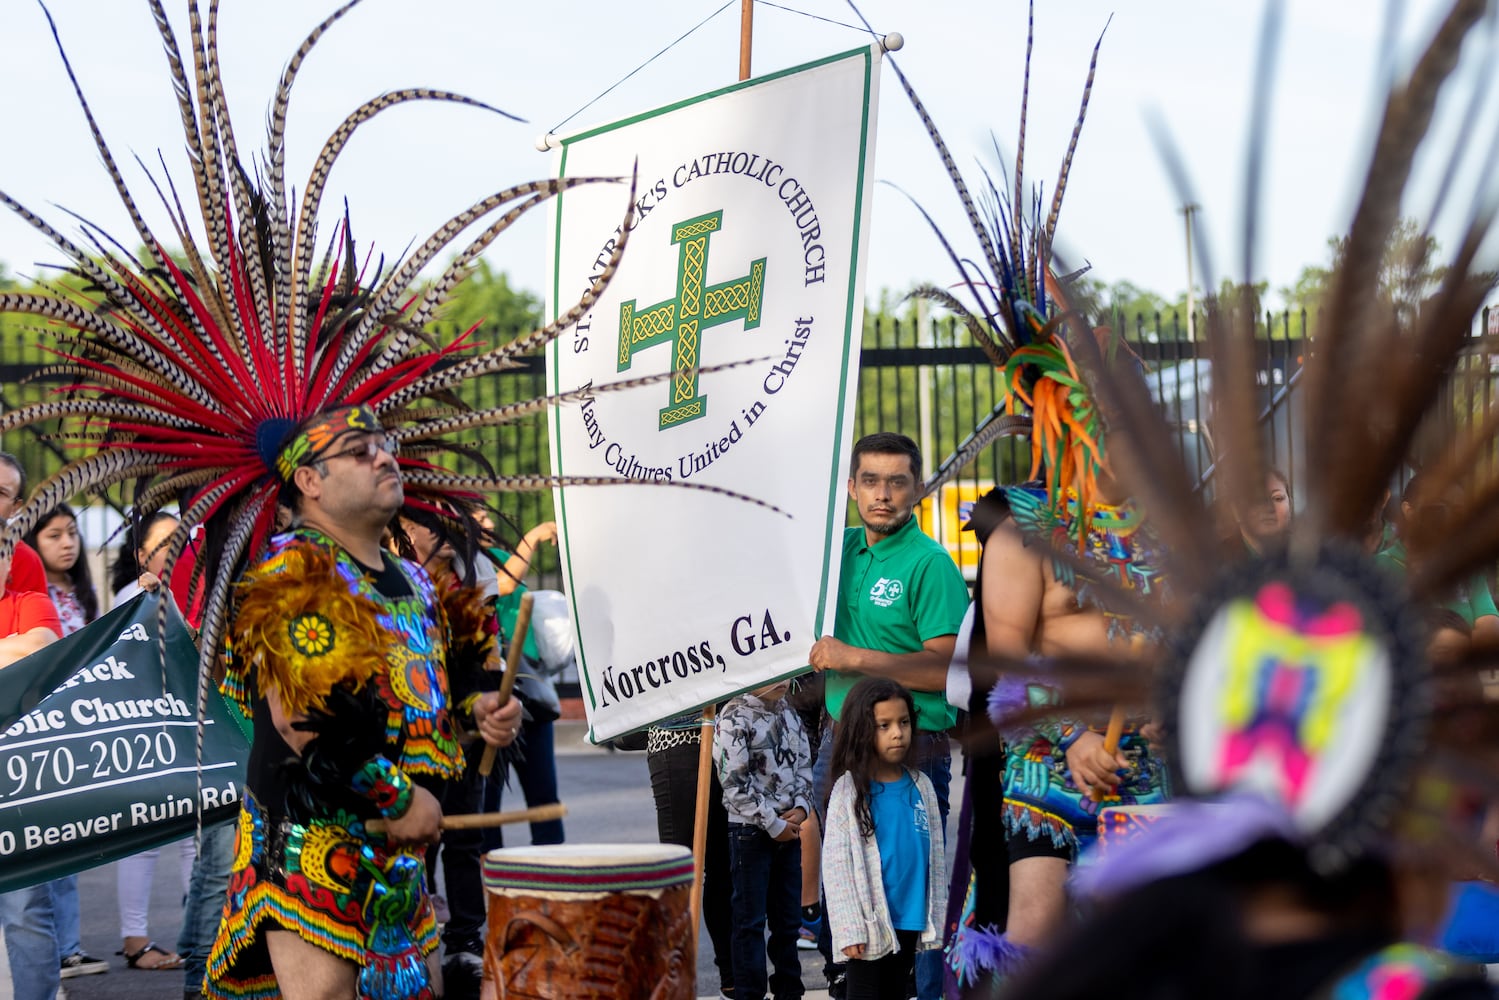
<point x="301" y="631"/>
<point x="473" y="630"/>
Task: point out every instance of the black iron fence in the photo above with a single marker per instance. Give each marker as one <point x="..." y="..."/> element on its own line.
<point x="921" y="379"/>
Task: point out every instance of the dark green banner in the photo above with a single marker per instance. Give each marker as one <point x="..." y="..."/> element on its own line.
<point x="98" y="755"/>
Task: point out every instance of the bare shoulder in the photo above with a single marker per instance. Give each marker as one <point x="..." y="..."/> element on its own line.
<point x="1007" y="546"/>
<point x="1008" y="562"/>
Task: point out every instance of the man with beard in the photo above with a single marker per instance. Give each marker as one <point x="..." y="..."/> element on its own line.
<point x="901" y="600"/>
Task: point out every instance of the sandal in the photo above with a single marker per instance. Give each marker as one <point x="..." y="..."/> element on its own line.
<point x="172" y="962"/>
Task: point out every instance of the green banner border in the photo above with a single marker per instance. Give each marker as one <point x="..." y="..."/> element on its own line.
<point x="851" y="336"/>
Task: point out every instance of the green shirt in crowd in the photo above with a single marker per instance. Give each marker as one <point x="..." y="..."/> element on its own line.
<point x="508" y="606"/>
<point x="893" y="597"/>
<point x="1472" y="601"/>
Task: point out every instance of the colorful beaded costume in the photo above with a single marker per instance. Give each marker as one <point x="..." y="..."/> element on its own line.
<point x="237" y="349"/>
<point x="1040" y="799"/>
<point x="311" y="624"/>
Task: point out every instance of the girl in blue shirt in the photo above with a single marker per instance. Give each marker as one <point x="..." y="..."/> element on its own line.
<point x="883" y="863"/>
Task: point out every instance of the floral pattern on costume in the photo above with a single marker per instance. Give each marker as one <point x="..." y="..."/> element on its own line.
<point x="311" y="624"/>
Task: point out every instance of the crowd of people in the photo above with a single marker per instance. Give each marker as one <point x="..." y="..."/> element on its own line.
<point x="829" y="811"/>
<point x="1244" y="725"/>
<point x="851" y="782"/>
<point x="829" y="817"/>
<point x="58" y="597"/>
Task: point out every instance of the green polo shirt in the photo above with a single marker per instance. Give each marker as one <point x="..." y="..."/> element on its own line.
<point x="1472" y="600"/>
<point x="893" y="597"/>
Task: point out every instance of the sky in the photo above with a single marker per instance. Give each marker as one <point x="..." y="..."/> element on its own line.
<point x="1186" y="64"/>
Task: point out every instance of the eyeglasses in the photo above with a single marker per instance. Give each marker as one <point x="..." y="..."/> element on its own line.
<point x="367" y="450"/>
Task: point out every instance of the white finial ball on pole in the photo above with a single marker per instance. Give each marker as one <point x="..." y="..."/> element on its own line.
<point x="893" y="42"/>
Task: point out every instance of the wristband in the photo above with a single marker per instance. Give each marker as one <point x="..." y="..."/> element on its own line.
<point x="1071" y="732"/>
<point x="385" y="785"/>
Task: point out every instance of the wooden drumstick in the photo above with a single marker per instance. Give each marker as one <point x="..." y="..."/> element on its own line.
<point x="1110" y="746"/>
<point x="481" y="821"/>
<point x="1115" y="732"/>
<point x="512" y="664"/>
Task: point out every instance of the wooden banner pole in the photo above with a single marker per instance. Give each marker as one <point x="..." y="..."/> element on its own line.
<point x="746" y="34"/>
<point x="700" y="817"/>
<point x="705" y="748"/>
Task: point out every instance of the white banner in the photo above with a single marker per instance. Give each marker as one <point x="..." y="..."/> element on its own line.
<point x="749" y="244"/>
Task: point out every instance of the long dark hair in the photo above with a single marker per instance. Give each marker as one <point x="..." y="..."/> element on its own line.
<point x="854" y="744"/>
<point x="79" y="574"/>
<point x="127" y="568"/>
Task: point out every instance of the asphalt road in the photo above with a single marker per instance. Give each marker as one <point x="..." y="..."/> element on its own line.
<point x="608" y="796"/>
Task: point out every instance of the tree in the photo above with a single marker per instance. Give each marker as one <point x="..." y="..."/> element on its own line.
<point x="1408" y="273"/>
<point x="486" y="299"/>
<point x="1305" y="296"/>
<point x="1142" y="312"/>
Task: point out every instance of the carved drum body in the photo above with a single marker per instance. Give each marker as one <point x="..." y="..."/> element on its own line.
<point x="589" y="922"/>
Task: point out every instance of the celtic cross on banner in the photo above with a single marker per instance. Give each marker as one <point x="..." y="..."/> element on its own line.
<point x="682" y="319"/>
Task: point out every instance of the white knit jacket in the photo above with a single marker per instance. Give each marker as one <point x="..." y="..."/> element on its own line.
<point x="851" y="878"/>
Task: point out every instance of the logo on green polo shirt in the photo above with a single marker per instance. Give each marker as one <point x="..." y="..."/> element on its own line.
<point x="886" y="591"/>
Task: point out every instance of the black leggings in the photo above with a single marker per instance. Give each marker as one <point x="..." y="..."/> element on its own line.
<point x="884" y="978"/>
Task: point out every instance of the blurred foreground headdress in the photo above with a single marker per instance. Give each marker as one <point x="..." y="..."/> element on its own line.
<point x="1301" y="678"/>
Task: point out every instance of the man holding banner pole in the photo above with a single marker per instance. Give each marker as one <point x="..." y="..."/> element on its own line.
<point x="901" y="602"/>
<point x="337" y="652"/>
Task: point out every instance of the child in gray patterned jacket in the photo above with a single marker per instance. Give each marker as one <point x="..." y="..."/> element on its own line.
<point x="765" y="766"/>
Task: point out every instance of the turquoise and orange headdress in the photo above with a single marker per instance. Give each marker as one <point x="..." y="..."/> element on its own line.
<point x="1017" y="311"/>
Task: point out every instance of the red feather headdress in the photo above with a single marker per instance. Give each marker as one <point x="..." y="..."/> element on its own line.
<point x="197" y="367"/>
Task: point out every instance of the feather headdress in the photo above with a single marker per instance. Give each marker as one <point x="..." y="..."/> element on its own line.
<point x="1302" y="677"/>
<point x="208" y="371"/>
<point x="1017" y="310"/>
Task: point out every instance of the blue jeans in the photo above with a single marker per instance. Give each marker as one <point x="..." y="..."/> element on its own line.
<point x="203" y="909"/>
<point x="462" y="851"/>
<point x="933" y="759"/>
<point x="767" y="877"/>
<point x="28" y="917"/>
<point x="65" y="914"/>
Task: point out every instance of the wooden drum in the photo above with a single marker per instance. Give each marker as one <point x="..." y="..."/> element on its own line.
<point x="590" y="922"/>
